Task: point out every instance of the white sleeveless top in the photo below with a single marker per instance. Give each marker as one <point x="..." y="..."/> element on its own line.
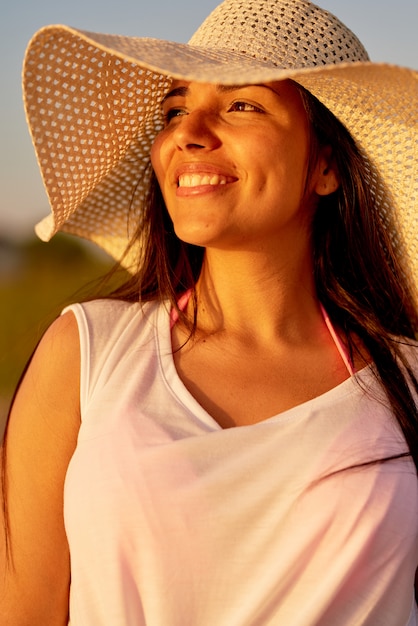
<point x="173" y="521"/>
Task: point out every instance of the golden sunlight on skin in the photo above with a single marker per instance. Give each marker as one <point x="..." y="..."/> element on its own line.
<point x="232" y="162"/>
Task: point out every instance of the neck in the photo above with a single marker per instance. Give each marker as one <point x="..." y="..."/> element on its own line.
<point x="250" y="295"/>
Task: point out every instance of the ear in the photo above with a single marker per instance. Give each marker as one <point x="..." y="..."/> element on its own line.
<point x="327" y="179"/>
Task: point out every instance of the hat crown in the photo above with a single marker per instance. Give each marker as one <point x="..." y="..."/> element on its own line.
<point x="282" y="33"/>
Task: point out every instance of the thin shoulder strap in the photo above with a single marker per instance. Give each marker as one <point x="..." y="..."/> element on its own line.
<point x="340" y="346"/>
<point x="181" y="303"/>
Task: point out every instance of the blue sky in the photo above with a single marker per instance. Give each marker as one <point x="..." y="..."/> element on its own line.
<point x="386" y="28"/>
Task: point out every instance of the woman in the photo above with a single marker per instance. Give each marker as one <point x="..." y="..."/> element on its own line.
<point x="230" y="439"/>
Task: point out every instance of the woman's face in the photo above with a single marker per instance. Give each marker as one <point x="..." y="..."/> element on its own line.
<point x="232" y="163"/>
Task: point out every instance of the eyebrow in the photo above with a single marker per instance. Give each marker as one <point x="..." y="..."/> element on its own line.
<point x="184" y="90"/>
<point x="178" y="91"/>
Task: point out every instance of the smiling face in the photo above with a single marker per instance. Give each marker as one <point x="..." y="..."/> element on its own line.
<point x="232" y="162"/>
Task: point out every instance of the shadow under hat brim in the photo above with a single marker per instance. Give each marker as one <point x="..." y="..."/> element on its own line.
<point x="92" y="161"/>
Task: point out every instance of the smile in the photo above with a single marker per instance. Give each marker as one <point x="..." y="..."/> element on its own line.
<point x="199" y="180"/>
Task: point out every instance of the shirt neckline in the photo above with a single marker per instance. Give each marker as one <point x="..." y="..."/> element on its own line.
<point x="173" y="382"/>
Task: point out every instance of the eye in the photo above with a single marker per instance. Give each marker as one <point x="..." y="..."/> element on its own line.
<point x="245" y="107"/>
<point x="172" y="113"/>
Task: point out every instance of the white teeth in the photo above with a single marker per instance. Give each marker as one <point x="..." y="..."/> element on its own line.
<point x="196" y="180"/>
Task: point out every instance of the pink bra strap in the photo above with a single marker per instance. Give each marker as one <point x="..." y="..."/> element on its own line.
<point x="181" y="303"/>
<point x="340" y="346"/>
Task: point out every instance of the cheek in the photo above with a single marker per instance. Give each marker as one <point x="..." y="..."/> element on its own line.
<point x="297" y="158"/>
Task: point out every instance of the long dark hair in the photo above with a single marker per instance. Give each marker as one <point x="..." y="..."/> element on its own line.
<point x="359" y="276"/>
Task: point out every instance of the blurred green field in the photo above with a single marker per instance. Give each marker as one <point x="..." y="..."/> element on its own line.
<point x="36" y="281"/>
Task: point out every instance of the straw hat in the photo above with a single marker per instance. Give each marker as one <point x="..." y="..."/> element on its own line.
<point x="93" y="107"/>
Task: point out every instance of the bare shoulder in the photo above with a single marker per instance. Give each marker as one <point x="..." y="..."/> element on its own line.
<point x="61" y="340"/>
<point x="52" y="379"/>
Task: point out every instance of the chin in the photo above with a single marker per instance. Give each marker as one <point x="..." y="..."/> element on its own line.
<point x="199" y="236"/>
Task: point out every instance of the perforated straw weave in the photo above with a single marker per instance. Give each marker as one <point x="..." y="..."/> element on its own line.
<point x="93" y="107"/>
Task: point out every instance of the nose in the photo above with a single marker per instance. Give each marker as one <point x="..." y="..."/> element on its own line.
<point x="197" y="130"/>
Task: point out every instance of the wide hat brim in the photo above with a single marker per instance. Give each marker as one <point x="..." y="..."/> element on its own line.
<point x="93" y="108"/>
